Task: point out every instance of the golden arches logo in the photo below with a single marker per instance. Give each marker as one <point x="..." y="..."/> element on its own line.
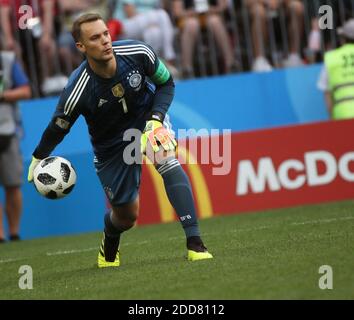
<point x="198" y="182"/>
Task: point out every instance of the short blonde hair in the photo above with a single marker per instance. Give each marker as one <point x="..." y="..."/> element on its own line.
<point x="87" y="17"/>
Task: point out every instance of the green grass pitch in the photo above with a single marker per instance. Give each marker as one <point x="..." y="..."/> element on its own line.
<point x="270" y="255"/>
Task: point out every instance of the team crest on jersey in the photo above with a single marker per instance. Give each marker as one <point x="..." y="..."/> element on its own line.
<point x="135" y="80"/>
<point x="118" y="90"/>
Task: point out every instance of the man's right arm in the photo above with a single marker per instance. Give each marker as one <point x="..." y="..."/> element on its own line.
<point x="50" y="139"/>
<point x="57" y="129"/>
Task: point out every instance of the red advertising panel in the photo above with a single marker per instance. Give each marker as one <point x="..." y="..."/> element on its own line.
<point x="260" y="170"/>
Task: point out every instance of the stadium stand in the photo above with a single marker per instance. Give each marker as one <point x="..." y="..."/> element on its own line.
<point x="49" y="54"/>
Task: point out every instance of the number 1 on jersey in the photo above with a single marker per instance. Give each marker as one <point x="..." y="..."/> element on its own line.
<point x="124" y="103"/>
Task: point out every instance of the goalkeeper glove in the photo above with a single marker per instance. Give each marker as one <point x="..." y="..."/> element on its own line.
<point x="31" y="168"/>
<point x="155" y="132"/>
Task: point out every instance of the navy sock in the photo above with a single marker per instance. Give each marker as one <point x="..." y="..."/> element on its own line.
<point x="179" y="192"/>
<point x="112" y="239"/>
<point x="109" y="229"/>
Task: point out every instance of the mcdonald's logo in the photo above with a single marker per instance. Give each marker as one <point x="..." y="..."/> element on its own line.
<point x="202" y="194"/>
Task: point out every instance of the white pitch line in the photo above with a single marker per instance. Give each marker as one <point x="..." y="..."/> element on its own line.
<point x="10" y="260"/>
<point x="293" y="223"/>
<point x="252" y="229"/>
<point x="347" y="218"/>
<point x="314" y="222"/>
<point x="58" y="253"/>
<point x="61" y="252"/>
<point x="322" y="221"/>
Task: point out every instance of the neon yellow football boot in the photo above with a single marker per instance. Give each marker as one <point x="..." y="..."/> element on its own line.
<point x="195" y="256"/>
<point x="197" y="250"/>
<point x="108" y="255"/>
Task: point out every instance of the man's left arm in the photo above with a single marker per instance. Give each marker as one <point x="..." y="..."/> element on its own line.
<point x="156" y="70"/>
<point x="154" y="131"/>
<point x="329" y="102"/>
<point x="13" y="95"/>
<point x="323" y="85"/>
<point x="20" y="90"/>
<point x="165" y="91"/>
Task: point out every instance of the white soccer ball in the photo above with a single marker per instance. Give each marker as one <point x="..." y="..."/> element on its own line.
<point x="54" y="177"/>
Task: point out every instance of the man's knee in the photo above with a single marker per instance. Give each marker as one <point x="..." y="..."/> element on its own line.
<point x="191" y="26"/>
<point x="125" y="222"/>
<point x="160" y="157"/>
<point x="13" y="192"/>
<point x="170" y="164"/>
<point x="258" y="11"/>
<point x="126" y="215"/>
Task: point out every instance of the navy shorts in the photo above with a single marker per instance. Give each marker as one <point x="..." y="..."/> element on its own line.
<point x="121" y="181"/>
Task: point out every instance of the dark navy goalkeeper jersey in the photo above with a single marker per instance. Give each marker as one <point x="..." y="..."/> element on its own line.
<point x="141" y="85"/>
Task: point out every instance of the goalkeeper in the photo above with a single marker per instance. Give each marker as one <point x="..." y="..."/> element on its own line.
<point x="120" y="86"/>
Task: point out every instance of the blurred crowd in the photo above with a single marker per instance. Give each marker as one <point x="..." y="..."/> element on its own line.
<point x="194" y="37"/>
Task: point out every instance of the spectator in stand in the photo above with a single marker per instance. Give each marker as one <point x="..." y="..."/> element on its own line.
<point x="146" y="20"/>
<point x="14" y="86"/>
<point x="337" y="76"/>
<point x="194" y="15"/>
<point x="261" y="11"/>
<point x="35" y="31"/>
<point x="320" y="40"/>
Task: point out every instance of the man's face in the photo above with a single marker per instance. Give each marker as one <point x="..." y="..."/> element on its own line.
<point x="95" y="41"/>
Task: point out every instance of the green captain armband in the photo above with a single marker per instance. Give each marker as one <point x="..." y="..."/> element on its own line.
<point x="161" y="75"/>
